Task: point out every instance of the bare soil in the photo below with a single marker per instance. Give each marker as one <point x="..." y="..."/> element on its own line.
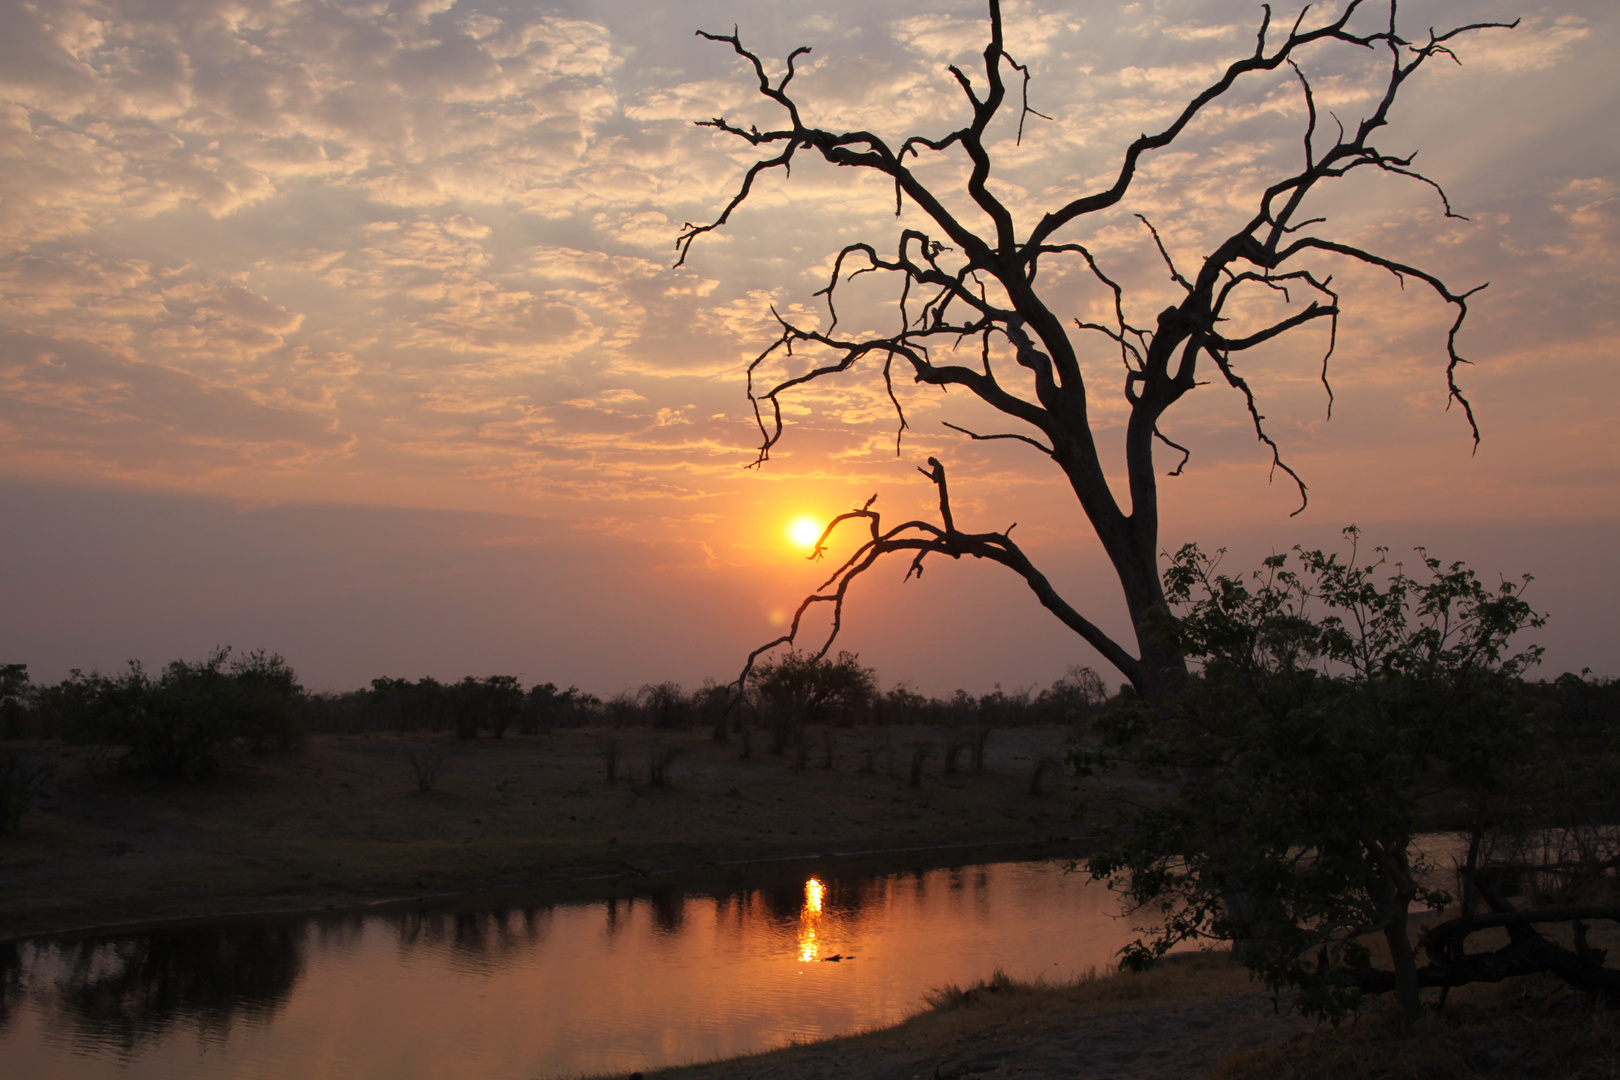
<point x="1185" y="1019"/>
<point x="341" y="822"/>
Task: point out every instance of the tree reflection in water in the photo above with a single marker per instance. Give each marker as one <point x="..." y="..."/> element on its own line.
<point x="11" y="982"/>
<point x="657" y="975"/>
<point x="126" y="992"/>
<point x="473" y="941"/>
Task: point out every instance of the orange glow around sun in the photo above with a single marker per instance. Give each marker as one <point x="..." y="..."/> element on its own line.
<point x="805" y="532"/>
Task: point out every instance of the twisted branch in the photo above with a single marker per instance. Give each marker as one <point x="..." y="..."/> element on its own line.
<point x="958" y="282"/>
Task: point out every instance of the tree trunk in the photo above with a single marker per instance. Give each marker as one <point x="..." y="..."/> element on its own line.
<point x="1404" y="960"/>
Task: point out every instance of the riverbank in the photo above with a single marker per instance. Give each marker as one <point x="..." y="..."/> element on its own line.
<point x="343" y="821"/>
<point x="1196" y="1016"/>
<point x="1181" y="1020"/>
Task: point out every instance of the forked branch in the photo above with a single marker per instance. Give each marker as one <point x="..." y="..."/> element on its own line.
<point x="922" y="539"/>
<point x="961" y="282"/>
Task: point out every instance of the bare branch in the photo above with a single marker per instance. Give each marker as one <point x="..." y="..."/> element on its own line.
<point x="922" y="539"/>
<point x="1236" y="381"/>
<point x="958" y="279"/>
<point x="1186" y="454"/>
<point x="976" y="437"/>
<point x="1175" y="275"/>
<point x="1402" y="271"/>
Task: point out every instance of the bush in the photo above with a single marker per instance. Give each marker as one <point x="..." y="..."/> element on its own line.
<point x="426" y="762"/>
<point x="20" y="777"/>
<point x="1327" y="703"/>
<point x="190" y="719"/>
<point x="13" y="693"/>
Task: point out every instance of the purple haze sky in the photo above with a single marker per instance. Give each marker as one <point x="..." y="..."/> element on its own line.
<point x="350" y="331"/>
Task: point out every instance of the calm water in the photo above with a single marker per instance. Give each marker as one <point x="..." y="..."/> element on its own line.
<point x="542" y="992"/>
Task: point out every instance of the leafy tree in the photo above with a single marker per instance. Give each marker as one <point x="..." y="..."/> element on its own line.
<point x="803" y="688"/>
<point x="814" y="688"/>
<point x="21" y="775"/>
<point x="545" y="707"/>
<point x="971" y="279"/>
<point x="667" y="704"/>
<point x="189" y="719"/>
<point x="1330" y="704"/>
<point x="490" y="703"/>
<point x="13" y="692"/>
<point x="901" y="705"/>
<point x="1556" y="833"/>
<point x="1076" y="698"/>
<point x="408" y="706"/>
<point x="264" y="695"/>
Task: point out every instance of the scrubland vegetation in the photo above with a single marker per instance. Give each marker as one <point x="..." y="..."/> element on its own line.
<point x="1333" y="713"/>
<point x="195" y="719"/>
<point x="222" y="786"/>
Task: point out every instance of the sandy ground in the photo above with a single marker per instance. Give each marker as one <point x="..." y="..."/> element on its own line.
<point x="1152" y="1040"/>
<point x="341" y="822"/>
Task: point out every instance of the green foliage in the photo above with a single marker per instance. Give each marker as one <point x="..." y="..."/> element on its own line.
<point x="187" y="721"/>
<point x="1328" y="703"/>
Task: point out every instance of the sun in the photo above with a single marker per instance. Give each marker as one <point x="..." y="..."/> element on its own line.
<point x="805" y="532"/>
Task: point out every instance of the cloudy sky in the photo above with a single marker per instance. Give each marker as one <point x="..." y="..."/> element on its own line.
<point x="350" y="329"/>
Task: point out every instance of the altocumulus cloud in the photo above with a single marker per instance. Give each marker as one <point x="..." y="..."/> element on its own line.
<point x="418" y="253"/>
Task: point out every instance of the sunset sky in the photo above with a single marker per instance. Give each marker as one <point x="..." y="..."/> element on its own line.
<point x="350" y="330"/>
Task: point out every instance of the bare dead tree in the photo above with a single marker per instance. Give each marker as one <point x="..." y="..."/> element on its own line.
<point x="962" y="283"/>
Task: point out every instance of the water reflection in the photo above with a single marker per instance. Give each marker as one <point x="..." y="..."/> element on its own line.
<point x="123" y="993"/>
<point x="537" y="990"/>
<point x="11" y="984"/>
<point x="810" y="919"/>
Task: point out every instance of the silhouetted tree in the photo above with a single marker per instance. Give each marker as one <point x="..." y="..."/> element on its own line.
<point x="1077" y="698"/>
<point x="1329" y="703"/>
<point x="546" y="707"/>
<point x="667" y="705"/>
<point x="13" y="688"/>
<point x="973" y="314"/>
<point x="814" y="687"/>
<point x="187" y="720"/>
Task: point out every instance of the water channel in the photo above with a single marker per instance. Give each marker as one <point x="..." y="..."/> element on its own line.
<point x="545" y="991"/>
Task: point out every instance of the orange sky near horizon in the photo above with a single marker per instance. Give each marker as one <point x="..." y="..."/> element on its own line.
<point x="351" y="331"/>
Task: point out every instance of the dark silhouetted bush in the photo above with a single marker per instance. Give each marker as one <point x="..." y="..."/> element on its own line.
<point x="426" y="762"/>
<point x="21" y="773"/>
<point x="192" y="717"/>
<point x="13" y="706"/>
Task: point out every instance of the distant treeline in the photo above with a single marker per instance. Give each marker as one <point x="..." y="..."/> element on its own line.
<point x="192" y="716"/>
<point x="254" y="700"/>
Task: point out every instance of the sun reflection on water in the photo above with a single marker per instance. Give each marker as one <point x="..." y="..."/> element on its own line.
<point x="810" y="920"/>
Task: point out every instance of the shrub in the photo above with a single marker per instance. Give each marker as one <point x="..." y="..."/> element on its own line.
<point x="20" y="777"/>
<point x="13" y="689"/>
<point x="426" y="761"/>
<point x="192" y="717"/>
<point x="1327" y="703"/>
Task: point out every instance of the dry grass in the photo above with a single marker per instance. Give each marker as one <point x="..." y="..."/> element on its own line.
<point x="1532" y="1027"/>
<point x="955" y="1016"/>
<point x="344" y="820"/>
<point x="1525" y="1028"/>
